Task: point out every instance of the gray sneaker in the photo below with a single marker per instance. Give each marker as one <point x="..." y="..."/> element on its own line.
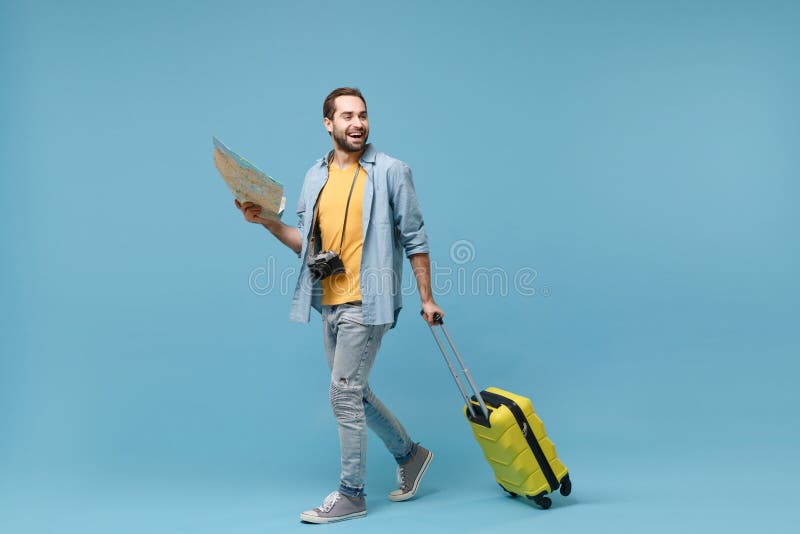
<point x="336" y="507"/>
<point x="410" y="474"/>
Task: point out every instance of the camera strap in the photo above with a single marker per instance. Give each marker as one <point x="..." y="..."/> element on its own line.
<point x="314" y="228"/>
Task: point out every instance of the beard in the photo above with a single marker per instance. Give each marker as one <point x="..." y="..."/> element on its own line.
<point x="344" y="142"/>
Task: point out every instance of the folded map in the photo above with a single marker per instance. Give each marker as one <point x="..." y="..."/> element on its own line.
<point x="248" y="183"/>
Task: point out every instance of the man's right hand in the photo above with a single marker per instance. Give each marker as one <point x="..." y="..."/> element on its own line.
<point x="250" y="210"/>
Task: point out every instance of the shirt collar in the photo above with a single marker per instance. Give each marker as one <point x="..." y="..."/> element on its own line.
<point x="367" y="157"/>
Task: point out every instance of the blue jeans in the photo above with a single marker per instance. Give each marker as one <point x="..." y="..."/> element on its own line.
<point x="350" y="348"/>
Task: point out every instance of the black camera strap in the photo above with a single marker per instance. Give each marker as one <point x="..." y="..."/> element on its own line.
<point x="346" y="209"/>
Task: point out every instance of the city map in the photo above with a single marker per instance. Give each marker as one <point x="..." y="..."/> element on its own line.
<point x="248" y="183"/>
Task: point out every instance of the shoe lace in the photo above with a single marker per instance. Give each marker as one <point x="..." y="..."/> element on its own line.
<point x="401" y="476"/>
<point x="329" y="502"/>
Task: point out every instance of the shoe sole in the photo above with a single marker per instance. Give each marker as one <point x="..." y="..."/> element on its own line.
<point x="321" y="520"/>
<point x="407" y="496"/>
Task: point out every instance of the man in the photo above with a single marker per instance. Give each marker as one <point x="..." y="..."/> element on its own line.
<point x="359" y="204"/>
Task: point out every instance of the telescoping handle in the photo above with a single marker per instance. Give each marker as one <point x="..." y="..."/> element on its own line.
<point x="437" y="319"/>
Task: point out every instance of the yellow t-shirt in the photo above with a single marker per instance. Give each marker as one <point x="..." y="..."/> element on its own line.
<point x="342" y="287"/>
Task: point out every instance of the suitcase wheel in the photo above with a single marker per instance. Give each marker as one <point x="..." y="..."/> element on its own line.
<point x="511" y="493"/>
<point x="542" y="501"/>
<point x="566" y="486"/>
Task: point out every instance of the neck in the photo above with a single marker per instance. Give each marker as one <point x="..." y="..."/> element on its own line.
<point x="344" y="159"/>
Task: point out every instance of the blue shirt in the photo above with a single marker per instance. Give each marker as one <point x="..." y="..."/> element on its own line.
<point x="391" y="225"/>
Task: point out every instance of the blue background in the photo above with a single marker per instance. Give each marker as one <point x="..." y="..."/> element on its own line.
<point x="642" y="157"/>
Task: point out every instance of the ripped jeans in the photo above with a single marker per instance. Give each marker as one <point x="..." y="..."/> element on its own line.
<point x="350" y="348"/>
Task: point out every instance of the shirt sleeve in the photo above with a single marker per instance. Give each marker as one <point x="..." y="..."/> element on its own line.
<point x="407" y="213"/>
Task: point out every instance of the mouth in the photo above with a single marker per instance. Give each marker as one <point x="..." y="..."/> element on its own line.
<point x="356" y="135"/>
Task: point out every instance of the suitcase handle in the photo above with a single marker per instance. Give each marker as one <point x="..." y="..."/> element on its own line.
<point x="437" y="320"/>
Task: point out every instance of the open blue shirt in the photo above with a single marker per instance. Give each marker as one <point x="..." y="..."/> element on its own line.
<point x="391" y="226"/>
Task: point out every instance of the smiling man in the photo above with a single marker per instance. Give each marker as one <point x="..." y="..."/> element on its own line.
<point x="358" y="216"/>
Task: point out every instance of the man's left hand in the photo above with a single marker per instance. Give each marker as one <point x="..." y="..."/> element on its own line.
<point x="429" y="309"/>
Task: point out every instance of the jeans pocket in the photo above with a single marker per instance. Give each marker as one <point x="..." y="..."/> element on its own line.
<point x="352" y="313"/>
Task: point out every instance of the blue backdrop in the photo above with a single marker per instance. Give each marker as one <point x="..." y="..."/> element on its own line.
<point x="609" y="188"/>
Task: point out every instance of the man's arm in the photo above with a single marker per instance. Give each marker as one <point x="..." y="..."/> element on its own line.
<point x="288" y="235"/>
<point x="411" y="231"/>
<point x="421" y="265"/>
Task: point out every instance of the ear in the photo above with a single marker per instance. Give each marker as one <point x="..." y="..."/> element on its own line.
<point x="328" y="124"/>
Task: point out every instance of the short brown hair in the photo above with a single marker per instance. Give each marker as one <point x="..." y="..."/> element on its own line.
<point x="329" y="107"/>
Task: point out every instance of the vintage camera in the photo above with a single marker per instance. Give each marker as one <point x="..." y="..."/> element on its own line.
<point x="325" y="264"/>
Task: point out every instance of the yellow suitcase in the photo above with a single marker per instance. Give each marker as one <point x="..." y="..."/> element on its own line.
<point x="512" y="437"/>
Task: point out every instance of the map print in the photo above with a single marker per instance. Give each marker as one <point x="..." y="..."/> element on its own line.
<point x="248" y="183"/>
